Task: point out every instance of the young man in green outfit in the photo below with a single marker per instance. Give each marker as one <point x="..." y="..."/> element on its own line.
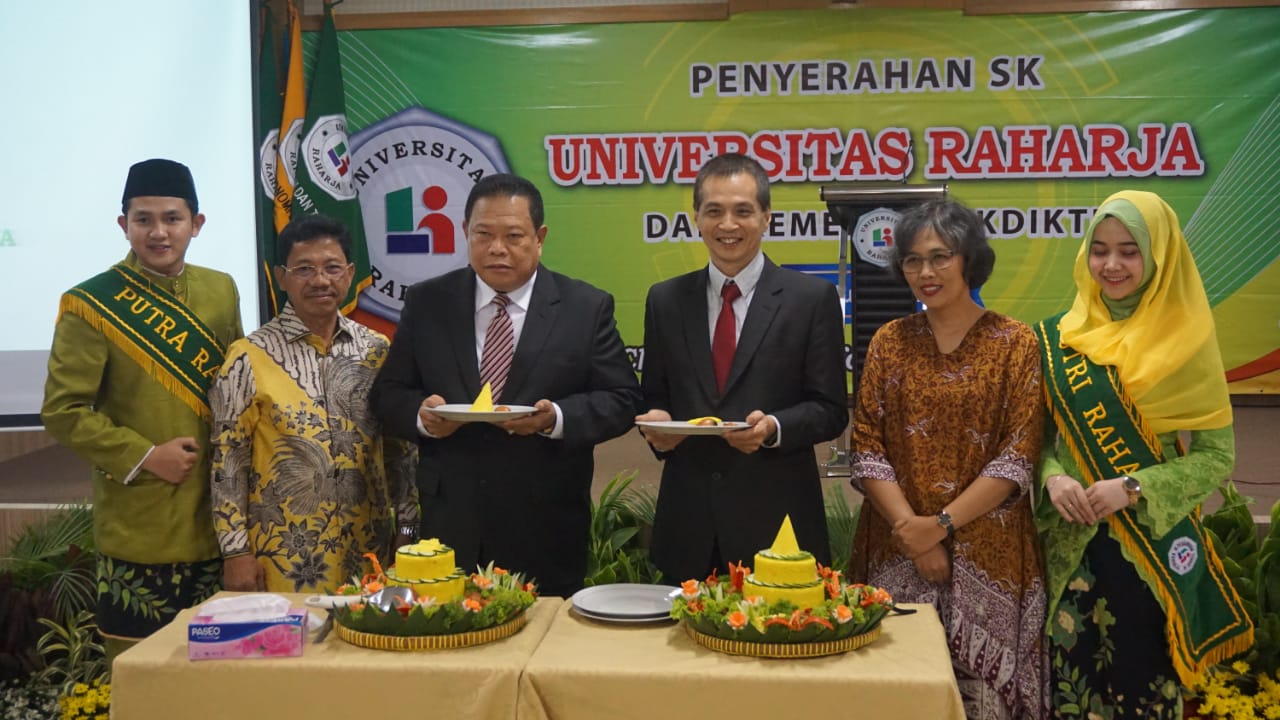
<point x="134" y="352"/>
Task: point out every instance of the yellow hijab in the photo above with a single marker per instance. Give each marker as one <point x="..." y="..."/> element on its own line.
<point x="1166" y="352"/>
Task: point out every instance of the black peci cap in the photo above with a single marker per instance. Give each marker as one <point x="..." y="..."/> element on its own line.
<point x="161" y="178"/>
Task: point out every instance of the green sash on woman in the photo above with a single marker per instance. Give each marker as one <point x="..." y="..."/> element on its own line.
<point x="154" y="328"/>
<point x="1108" y="437"/>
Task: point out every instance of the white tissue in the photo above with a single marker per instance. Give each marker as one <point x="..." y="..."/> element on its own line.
<point x="314" y="621"/>
<point x="245" y="608"/>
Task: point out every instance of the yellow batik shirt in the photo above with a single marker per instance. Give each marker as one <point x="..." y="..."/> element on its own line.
<point x="302" y="476"/>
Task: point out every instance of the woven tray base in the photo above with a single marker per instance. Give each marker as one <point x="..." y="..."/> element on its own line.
<point x="433" y="642"/>
<point x="784" y="650"/>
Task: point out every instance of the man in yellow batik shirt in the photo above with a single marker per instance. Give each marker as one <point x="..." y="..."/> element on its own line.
<point x="303" y="482"/>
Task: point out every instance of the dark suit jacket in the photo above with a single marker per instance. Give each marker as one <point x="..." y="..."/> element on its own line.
<point x="789" y="363"/>
<point x="522" y="502"/>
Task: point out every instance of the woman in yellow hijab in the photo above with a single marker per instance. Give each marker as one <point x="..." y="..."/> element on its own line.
<point x="1134" y="361"/>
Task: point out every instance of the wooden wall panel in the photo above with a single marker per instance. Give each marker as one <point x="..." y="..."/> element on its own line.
<point x="21" y="442"/>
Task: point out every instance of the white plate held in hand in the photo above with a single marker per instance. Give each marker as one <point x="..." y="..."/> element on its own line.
<point x="680" y="427"/>
<point x="462" y="412"/>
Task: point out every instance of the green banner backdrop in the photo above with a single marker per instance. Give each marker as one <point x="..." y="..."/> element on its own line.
<point x="1032" y="119"/>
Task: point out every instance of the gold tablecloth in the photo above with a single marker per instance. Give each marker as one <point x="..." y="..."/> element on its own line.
<point x="334" y="679"/>
<point x="585" y="670"/>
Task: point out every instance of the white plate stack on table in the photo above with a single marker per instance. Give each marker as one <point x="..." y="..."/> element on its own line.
<point x="625" y="603"/>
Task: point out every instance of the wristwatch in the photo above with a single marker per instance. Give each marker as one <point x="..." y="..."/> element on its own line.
<point x="409" y="531"/>
<point x="944" y="519"/>
<point x="1132" y="488"/>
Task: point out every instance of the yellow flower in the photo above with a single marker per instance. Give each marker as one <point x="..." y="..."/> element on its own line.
<point x="1240" y="666"/>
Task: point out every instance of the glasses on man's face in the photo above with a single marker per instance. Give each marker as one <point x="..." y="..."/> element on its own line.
<point x="940" y="260"/>
<point x="333" y="271"/>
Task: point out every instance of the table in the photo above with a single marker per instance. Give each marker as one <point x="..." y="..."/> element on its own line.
<point x="334" y="679"/>
<point x="585" y="670"/>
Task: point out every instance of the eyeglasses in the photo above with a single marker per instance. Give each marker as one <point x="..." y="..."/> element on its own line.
<point x="333" y="271"/>
<point x="941" y="260"/>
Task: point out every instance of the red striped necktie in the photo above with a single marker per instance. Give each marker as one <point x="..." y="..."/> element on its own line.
<point x="499" y="347"/>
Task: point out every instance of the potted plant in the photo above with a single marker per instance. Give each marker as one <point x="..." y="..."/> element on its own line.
<point x="48" y="641"/>
<point x="1250" y="684"/>
<point x="620" y="524"/>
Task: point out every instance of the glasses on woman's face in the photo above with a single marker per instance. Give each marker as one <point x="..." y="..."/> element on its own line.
<point x="333" y="271"/>
<point x="939" y="260"/>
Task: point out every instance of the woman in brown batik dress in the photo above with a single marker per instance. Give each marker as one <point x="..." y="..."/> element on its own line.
<point x="946" y="432"/>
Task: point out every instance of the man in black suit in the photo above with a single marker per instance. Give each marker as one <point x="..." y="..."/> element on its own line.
<point x="768" y="350"/>
<point x="516" y="493"/>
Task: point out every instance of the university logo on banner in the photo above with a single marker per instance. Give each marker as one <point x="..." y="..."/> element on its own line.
<point x="413" y="171"/>
<point x="288" y="149"/>
<point x="328" y="161"/>
<point x="873" y="236"/>
<point x="1183" y="553"/>
<point x="267" y="162"/>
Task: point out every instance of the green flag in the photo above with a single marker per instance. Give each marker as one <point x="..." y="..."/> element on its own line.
<point x="325" y="186"/>
<point x="268" y="135"/>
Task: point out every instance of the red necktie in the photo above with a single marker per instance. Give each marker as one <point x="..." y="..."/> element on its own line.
<point x="725" y="340"/>
<point x="499" y="347"/>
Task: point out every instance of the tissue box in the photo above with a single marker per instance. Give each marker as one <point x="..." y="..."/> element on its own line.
<point x="278" y="637"/>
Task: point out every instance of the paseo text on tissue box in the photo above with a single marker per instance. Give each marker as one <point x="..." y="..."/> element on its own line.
<point x="208" y="639"/>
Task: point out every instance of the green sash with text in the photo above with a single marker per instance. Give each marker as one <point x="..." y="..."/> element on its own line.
<point x="1108" y="437"/>
<point x="154" y="328"/>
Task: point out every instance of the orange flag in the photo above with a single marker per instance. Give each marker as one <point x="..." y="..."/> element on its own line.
<point x="295" y="108"/>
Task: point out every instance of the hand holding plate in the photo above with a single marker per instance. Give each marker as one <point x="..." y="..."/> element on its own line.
<point x="544" y="418"/>
<point x="761" y="427"/>
<point x="660" y="441"/>
<point x="437" y="426"/>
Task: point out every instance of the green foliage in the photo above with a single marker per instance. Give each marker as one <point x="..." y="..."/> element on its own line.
<point x="49" y="574"/>
<point x="842" y="523"/>
<point x="1254" y="570"/>
<point x="56" y="553"/>
<point x="72" y="653"/>
<point x="447" y="619"/>
<point x="47" y="539"/>
<point x="618" y="549"/>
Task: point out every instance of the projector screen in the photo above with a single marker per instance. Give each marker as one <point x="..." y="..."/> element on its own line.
<point x="89" y="88"/>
